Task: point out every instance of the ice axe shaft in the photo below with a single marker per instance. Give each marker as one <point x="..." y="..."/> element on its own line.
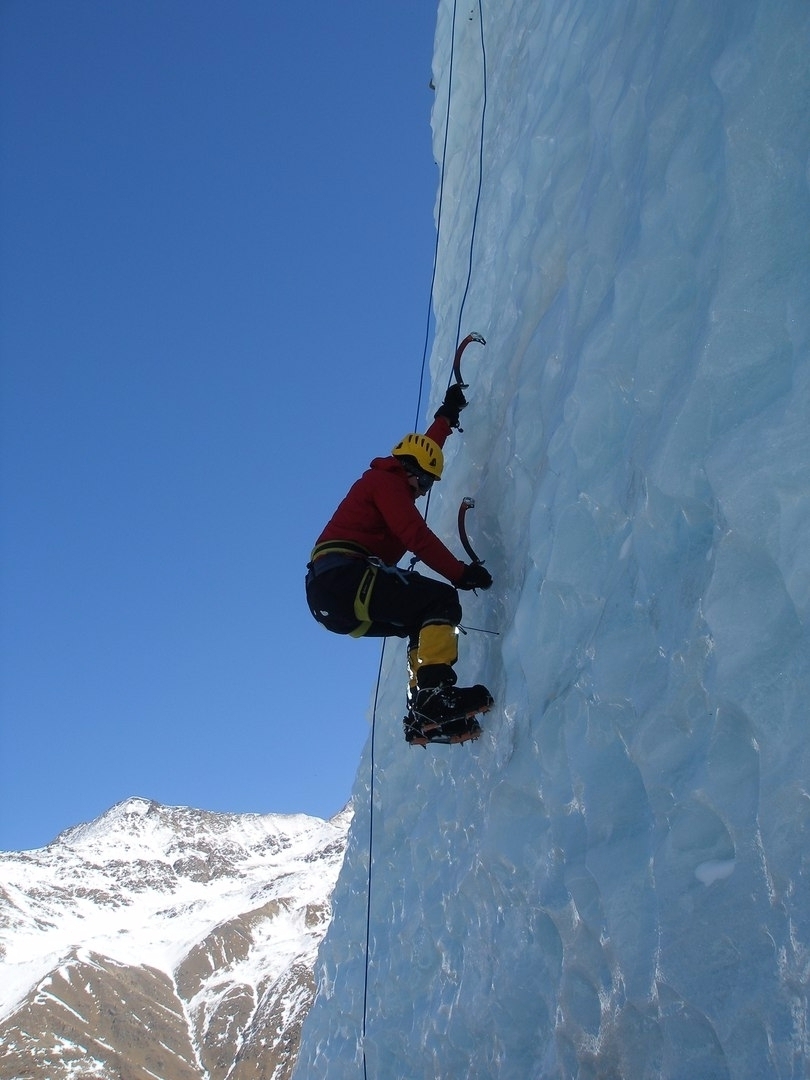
<point x="466" y="504"/>
<point x="457" y="358"/>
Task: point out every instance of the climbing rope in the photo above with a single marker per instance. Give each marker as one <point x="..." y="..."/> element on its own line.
<point x="438" y="221"/>
<point x="479" y="189"/>
<point x="480" y="173"/>
<point x="416" y="424"/>
<point x="370" y="848"/>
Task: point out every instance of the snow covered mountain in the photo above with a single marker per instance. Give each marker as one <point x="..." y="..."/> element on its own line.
<point x="164" y="942"/>
<point x="614" y="881"/>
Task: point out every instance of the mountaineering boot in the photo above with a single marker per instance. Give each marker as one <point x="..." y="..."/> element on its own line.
<point x="445" y="713"/>
<point x="438" y="710"/>
<point x="440" y="704"/>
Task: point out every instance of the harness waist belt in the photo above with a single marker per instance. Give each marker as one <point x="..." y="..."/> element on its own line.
<point x="347" y="548"/>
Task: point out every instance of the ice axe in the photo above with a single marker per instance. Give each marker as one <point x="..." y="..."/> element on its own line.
<point x="466" y="504"/>
<point x="457" y="358"/>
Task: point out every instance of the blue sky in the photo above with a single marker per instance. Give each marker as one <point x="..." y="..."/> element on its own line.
<point x="217" y="239"/>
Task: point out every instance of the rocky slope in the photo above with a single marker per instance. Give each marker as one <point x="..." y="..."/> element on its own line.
<point x="164" y="942"/>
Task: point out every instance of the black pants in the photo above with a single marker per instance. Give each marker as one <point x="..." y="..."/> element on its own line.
<point x="401" y="601"/>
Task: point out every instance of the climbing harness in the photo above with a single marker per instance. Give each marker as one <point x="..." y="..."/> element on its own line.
<point x="327" y="556"/>
<point x="334" y="553"/>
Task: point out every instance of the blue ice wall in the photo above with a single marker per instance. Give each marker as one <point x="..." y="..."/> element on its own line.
<point x="614" y="881"/>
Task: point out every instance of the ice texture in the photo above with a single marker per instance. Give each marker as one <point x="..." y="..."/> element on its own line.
<point x="614" y="881"/>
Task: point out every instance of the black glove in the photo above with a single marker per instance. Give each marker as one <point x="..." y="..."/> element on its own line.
<point x="475" y="576"/>
<point x="454" y="402"/>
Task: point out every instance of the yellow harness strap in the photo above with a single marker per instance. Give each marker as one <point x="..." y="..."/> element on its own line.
<point x="339" y="547"/>
<point x="362" y="599"/>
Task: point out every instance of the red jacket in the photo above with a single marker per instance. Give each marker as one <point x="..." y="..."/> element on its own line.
<point x="379" y="512"/>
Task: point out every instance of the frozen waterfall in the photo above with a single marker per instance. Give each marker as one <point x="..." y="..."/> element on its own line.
<point x="614" y="881"/>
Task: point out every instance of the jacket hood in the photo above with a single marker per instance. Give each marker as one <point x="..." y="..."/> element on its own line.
<point x="388" y="464"/>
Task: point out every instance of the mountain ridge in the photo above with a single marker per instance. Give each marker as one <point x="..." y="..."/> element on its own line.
<point x="170" y="927"/>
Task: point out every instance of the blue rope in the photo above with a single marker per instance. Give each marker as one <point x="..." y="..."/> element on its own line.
<point x="438" y="222"/>
<point x="370" y="849"/>
<point x="416" y="424"/>
<point x="480" y="178"/>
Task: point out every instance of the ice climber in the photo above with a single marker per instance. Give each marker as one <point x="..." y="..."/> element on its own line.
<point x="354" y="586"/>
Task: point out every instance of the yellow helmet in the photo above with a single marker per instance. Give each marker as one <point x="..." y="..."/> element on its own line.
<point x="422" y="452"/>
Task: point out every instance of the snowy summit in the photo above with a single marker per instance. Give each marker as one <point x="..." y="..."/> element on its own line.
<point x="156" y="917"/>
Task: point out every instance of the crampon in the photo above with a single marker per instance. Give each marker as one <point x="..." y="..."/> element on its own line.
<point x="452" y="731"/>
<point x="446" y="715"/>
